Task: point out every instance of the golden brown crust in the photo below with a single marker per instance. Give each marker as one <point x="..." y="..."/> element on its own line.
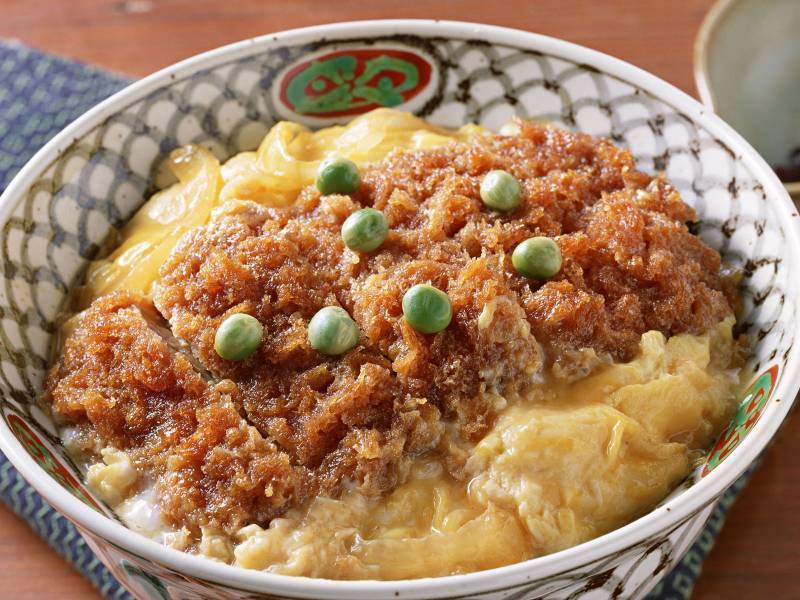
<point x="119" y="378"/>
<point x="630" y="265"/>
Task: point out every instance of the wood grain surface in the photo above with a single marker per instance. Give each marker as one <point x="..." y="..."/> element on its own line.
<point x="757" y="554"/>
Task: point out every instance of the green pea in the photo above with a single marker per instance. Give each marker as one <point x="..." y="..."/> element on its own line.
<point x="332" y="331"/>
<point x="427" y="309"/>
<point x="537" y="258"/>
<point x="500" y="191"/>
<point x="238" y="337"/>
<point x="365" y="230"/>
<point x="338" y="176"/>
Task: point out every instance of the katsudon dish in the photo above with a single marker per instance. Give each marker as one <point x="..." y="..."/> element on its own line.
<point x="387" y="350"/>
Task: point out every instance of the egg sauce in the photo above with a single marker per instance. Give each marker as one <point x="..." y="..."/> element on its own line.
<point x="566" y="464"/>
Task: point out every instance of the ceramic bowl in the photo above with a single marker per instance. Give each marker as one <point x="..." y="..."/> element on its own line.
<point x="93" y="176"/>
<point x="747" y="69"/>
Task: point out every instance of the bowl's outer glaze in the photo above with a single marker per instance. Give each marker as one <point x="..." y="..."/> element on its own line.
<point x="92" y="177"/>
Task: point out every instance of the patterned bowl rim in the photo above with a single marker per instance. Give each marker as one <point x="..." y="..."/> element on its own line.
<point x="663" y="518"/>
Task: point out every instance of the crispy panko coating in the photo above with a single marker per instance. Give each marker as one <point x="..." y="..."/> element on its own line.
<point x="121" y="378"/>
<point x="288" y="422"/>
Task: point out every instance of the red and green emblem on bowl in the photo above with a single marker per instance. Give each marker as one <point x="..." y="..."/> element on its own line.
<point x="747" y="414"/>
<point x="354" y="81"/>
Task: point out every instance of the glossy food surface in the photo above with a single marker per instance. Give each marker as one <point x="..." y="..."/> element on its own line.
<point x="264" y="435"/>
<point x="364" y="230"/>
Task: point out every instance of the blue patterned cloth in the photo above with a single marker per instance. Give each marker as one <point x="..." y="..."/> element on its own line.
<point x="39" y="95"/>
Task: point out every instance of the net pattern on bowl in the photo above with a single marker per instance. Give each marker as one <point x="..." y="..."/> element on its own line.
<point x="67" y="217"/>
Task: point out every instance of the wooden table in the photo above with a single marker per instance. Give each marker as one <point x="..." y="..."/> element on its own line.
<point x="756" y="555"/>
